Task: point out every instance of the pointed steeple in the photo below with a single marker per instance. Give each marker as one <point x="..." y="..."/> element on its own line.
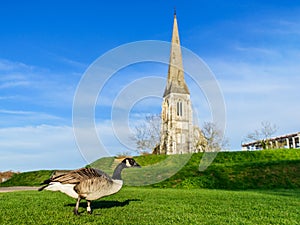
<point x="176" y="82"/>
<point x="177" y="115"/>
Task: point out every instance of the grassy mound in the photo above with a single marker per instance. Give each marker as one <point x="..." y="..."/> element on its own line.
<point x="241" y="170"/>
<point x="33" y="178"/>
<point x="229" y="170"/>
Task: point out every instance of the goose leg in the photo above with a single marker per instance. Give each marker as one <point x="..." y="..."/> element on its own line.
<point x="89" y="209"/>
<point x="77" y="206"/>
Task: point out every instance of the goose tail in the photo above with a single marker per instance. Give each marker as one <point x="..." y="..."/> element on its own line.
<point x="64" y="188"/>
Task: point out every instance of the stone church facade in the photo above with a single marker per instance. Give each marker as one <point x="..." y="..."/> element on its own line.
<point x="178" y="133"/>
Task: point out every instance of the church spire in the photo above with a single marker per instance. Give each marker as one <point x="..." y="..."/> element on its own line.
<point x="177" y="115"/>
<point x="175" y="82"/>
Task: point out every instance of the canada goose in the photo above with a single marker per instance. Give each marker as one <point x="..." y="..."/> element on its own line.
<point x="88" y="183"/>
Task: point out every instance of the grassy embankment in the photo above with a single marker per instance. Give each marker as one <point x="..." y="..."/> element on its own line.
<point x="186" y="203"/>
<point x="229" y="170"/>
<point x="33" y="178"/>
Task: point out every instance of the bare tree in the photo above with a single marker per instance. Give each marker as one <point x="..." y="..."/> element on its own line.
<point x="214" y="137"/>
<point x="147" y="134"/>
<point x="263" y="134"/>
<point x="200" y="142"/>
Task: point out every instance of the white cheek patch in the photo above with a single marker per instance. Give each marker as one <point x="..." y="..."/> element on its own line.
<point x="127" y="163"/>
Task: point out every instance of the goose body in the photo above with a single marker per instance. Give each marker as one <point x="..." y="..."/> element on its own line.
<point x="89" y="183"/>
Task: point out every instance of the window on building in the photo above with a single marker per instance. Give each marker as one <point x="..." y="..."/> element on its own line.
<point x="179" y="108"/>
<point x="178" y="138"/>
<point x="183" y="138"/>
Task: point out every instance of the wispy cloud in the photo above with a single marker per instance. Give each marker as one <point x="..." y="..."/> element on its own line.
<point x="288" y="25"/>
<point x="11" y="118"/>
<point x="267" y="52"/>
<point x="258" y="91"/>
<point x="258" y="71"/>
<point x="255" y="58"/>
<point x="8" y="97"/>
<point x="14" y="84"/>
<point x="25" y="88"/>
<point x="7" y="65"/>
<point x="72" y="62"/>
<point x="16" y="112"/>
<point x="38" y="147"/>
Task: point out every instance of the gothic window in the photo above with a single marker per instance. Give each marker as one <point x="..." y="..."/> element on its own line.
<point x="174" y="146"/>
<point x="180" y="138"/>
<point x="179" y="108"/>
<point x="165" y="111"/>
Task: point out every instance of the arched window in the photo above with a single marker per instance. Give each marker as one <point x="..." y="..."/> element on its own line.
<point x="179" y="108"/>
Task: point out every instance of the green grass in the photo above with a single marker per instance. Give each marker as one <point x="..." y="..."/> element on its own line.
<point x="33" y="178"/>
<point x="230" y="170"/>
<point x="155" y="206"/>
<point x="185" y="203"/>
<point x="240" y="170"/>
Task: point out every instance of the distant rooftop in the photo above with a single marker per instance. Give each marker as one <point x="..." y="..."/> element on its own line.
<point x="284" y="141"/>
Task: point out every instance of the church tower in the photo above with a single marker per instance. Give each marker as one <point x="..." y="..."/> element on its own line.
<point x="176" y="116"/>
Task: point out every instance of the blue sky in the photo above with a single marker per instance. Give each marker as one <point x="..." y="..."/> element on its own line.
<point x="252" y="47"/>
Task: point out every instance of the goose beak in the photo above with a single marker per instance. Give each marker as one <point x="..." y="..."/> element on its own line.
<point x="136" y="165"/>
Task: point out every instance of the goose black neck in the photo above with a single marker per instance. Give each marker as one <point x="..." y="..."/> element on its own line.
<point x="118" y="170"/>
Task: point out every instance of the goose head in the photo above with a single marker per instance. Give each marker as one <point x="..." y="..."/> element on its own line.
<point x="130" y="162"/>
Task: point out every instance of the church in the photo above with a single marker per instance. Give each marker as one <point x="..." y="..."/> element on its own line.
<point x="178" y="133"/>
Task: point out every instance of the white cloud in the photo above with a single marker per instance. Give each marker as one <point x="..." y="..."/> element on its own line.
<point x="72" y="62"/>
<point x="30" y="88"/>
<point x="105" y="138"/>
<point x="7" y="65"/>
<point x="7" y="97"/>
<point x="38" y="147"/>
<point x="267" y="52"/>
<point x="257" y="68"/>
<point x="256" y="92"/>
<point x="9" y="118"/>
<point x="14" y="84"/>
<point x="281" y="26"/>
<point x="15" y="112"/>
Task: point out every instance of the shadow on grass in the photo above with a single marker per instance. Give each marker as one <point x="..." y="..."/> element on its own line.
<point x="294" y="193"/>
<point x="104" y="204"/>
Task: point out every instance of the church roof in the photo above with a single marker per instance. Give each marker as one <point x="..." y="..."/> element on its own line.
<point x="176" y="82"/>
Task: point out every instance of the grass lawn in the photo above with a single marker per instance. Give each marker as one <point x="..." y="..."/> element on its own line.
<point x="137" y="205"/>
